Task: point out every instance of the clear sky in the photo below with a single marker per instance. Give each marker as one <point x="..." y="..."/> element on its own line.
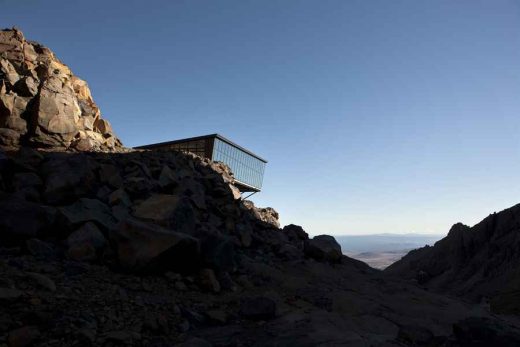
<point x="375" y="116"/>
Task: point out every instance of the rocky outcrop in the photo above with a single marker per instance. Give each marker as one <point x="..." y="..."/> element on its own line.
<point x="479" y="263"/>
<point x="323" y="248"/>
<point x="43" y="104"/>
<point x="266" y="214"/>
<point x="151" y="211"/>
<point x="132" y="248"/>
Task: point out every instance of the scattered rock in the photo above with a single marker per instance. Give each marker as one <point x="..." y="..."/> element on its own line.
<point x="82" y="252"/>
<point x="258" y="308"/>
<point x="119" y="197"/>
<point x="415" y="335"/>
<point x="208" y="281"/>
<point x="121" y="336"/>
<point x="88" y="234"/>
<point x="194" y="342"/>
<point x="42" y="281"/>
<point x="23" y="336"/>
<point x="9" y="294"/>
<point x="217" y="316"/>
<point x="41" y="249"/>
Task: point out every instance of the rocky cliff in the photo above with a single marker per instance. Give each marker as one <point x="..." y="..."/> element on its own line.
<point x="479" y="263"/>
<point x="156" y="248"/>
<point x="43" y="104"/>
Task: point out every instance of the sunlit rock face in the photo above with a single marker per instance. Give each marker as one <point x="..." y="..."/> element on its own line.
<point x="43" y="104"/>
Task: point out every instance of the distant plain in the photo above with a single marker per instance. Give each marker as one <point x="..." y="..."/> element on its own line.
<point x="381" y="250"/>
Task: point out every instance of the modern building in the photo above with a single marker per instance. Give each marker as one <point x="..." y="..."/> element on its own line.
<point x="247" y="167"/>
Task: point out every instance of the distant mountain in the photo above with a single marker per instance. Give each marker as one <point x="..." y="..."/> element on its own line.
<point x="385" y="242"/>
<point x="479" y="263"/>
<point x="381" y="250"/>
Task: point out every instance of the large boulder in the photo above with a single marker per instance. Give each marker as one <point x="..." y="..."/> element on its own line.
<point x="264" y="214"/>
<point x="171" y="211"/>
<point x="87" y="210"/>
<point x="68" y="177"/>
<point x="20" y="219"/>
<point x="323" y="248"/>
<point x="145" y="247"/>
<point x="43" y="103"/>
<point x="89" y="234"/>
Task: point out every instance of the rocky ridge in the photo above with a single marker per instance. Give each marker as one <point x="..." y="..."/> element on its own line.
<point x="43" y="104"/>
<point x="479" y="263"/>
<point x="157" y="249"/>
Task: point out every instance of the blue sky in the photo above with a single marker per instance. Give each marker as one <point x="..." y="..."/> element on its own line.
<point x="375" y="116"/>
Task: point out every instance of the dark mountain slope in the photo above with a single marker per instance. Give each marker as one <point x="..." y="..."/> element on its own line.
<point x="477" y="263"/>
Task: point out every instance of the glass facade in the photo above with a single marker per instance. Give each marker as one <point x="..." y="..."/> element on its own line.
<point x="246" y="168"/>
<point x="199" y="147"/>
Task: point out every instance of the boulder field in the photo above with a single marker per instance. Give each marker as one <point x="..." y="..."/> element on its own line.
<point x="101" y="245"/>
<point x="157" y="249"/>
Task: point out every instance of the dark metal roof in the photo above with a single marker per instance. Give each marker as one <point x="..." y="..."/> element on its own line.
<point x="220" y="137"/>
<point x="244" y="187"/>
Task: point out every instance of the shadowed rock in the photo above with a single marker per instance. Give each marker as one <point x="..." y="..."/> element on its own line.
<point x="323" y="248"/>
<point x="146" y="247"/>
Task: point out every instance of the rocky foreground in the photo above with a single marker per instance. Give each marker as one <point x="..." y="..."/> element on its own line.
<point x="156" y="248"/>
<point x="106" y="246"/>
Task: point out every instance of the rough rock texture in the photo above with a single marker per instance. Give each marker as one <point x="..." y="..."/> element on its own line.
<point x="266" y="214"/>
<point x="481" y="263"/>
<point x="323" y="248"/>
<point x="43" y="104"/>
<point x="153" y="249"/>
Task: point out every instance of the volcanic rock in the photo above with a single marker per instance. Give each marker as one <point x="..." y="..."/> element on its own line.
<point x="265" y="214"/>
<point x="89" y="234"/>
<point x="258" y="308"/>
<point x="477" y="263"/>
<point x="323" y="248"/>
<point x="43" y="103"/>
<point x="20" y="219"/>
<point x="23" y="336"/>
<point x="87" y="210"/>
<point x="147" y="247"/>
<point x="167" y="210"/>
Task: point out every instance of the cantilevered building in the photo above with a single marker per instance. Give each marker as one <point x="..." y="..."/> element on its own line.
<point x="247" y="167"/>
